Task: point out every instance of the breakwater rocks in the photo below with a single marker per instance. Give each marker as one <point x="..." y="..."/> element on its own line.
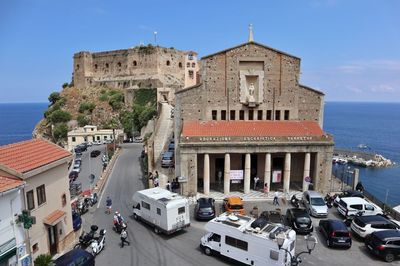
<point x="362" y="159"/>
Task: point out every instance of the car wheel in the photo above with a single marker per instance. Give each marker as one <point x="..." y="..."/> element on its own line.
<point x="328" y="243"/>
<point x="389" y="257"/>
<point x="207" y="251"/>
<point x="156" y="230"/>
<point x="135" y="216"/>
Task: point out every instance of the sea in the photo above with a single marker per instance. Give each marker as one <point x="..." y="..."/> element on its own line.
<point x="375" y="124"/>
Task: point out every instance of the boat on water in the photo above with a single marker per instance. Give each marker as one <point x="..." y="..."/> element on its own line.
<point x="362" y="146"/>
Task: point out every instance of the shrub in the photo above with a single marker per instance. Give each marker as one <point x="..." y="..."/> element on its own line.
<point x="43" y="260"/>
<point x="82" y="120"/>
<point x="86" y="106"/>
<point x="60" y="131"/>
<point x="126" y="119"/>
<point x="116" y="101"/>
<point x="103" y="97"/>
<point x="59" y="116"/>
<point x="65" y="85"/>
<point x="54" y="97"/>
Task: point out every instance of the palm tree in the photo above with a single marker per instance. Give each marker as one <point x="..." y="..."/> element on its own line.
<point x="43" y="260"/>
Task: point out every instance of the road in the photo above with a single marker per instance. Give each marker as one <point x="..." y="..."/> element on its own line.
<point x="182" y="248"/>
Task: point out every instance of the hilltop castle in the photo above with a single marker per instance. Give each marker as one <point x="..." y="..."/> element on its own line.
<point x="166" y="69"/>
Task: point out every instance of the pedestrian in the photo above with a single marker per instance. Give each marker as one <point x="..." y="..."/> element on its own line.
<point x="157" y="176"/>
<point x="168" y="186"/>
<point x="256" y="180"/>
<point x="156" y="182"/>
<point x="276" y="195"/>
<point x="124" y="236"/>
<point x="151" y="176"/>
<point x="266" y="189"/>
<point x="108" y="205"/>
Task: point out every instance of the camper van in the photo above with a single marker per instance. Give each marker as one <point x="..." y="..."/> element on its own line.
<point x="167" y="212"/>
<point x="237" y="237"/>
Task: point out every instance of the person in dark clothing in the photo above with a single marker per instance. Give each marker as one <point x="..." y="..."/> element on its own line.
<point x="360" y="187"/>
<point x="124" y="236"/>
<point x="108" y="205"/>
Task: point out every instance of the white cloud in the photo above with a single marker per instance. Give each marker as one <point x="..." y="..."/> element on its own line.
<point x="383" y="89"/>
<point x="354" y="67"/>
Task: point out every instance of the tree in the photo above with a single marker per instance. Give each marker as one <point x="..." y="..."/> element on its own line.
<point x="126" y="119"/>
<point x="82" y="120"/>
<point x="87" y="106"/>
<point x="60" y="132"/>
<point x="54" y="97"/>
<point x="59" y="116"/>
<point x="65" y="85"/>
<point x="43" y="260"/>
<point x="116" y="100"/>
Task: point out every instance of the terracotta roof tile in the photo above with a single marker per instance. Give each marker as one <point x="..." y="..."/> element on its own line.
<point x="53" y="217"/>
<point x="28" y="155"/>
<point x="251" y="128"/>
<point x="7" y="183"/>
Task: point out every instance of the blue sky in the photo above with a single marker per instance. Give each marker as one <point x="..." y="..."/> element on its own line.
<point x="349" y="49"/>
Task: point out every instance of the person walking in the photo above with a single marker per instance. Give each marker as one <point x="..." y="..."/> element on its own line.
<point x="256" y="180"/>
<point x="266" y="189"/>
<point x="276" y="201"/>
<point x="168" y="186"/>
<point x="156" y="182"/>
<point x="108" y="205"/>
<point x="124" y="236"/>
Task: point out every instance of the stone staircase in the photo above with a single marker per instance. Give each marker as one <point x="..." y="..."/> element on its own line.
<point x="164" y="129"/>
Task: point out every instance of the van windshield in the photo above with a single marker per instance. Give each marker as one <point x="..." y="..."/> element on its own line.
<point x="317" y="202"/>
<point x="236" y="207"/>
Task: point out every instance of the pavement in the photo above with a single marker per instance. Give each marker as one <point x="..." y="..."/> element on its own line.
<point x="182" y="248"/>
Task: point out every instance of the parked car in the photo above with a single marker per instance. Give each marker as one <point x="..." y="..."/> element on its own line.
<point x="76" y="168"/>
<point x="205" y="209"/>
<point x="349" y="207"/>
<point x="97" y="142"/>
<point x="95" y="153"/>
<point x="299" y="220"/>
<point x="347" y="194"/>
<point x="315" y="204"/>
<point x="335" y="233"/>
<point x="77" y="163"/>
<point x="167" y="159"/>
<point x="384" y="244"/>
<point x="76" y="221"/>
<point x="82" y="147"/>
<point x="90" y="144"/>
<point x="73" y="175"/>
<point x="365" y="225"/>
<point x="75" y="257"/>
<point x="274" y="217"/>
<point x="171" y="147"/>
<point x="104" y="158"/>
<point x="78" y="151"/>
<point x="234" y="204"/>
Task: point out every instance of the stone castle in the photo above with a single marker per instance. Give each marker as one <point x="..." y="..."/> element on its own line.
<point x="166" y="69"/>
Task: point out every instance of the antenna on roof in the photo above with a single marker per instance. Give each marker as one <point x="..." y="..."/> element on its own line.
<point x="251" y="38"/>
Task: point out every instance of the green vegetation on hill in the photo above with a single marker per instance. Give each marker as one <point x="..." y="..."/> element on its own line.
<point x="87" y="106"/>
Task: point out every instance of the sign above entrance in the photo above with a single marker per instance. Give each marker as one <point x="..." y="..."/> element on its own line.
<point x="236" y="175"/>
<point x="256" y="139"/>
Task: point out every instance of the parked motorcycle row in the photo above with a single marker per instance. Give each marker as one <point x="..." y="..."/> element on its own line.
<point x="83" y="204"/>
<point x="96" y="243"/>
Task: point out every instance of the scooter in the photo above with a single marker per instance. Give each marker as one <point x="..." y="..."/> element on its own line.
<point x="329" y="200"/>
<point x="295" y="201"/>
<point x="82" y="206"/>
<point x="92" y="199"/>
<point x="86" y="239"/>
<point x="98" y="244"/>
<point x="119" y="226"/>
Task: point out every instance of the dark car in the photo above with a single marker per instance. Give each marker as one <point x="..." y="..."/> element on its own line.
<point x="346" y="194"/>
<point x="171" y="147"/>
<point x="75" y="257"/>
<point x="384" y="244"/>
<point x="95" y="153"/>
<point x="82" y="147"/>
<point x="78" y="151"/>
<point x="335" y="233"/>
<point x="299" y="220"/>
<point x="73" y="176"/>
<point x="76" y="221"/>
<point x="205" y="209"/>
<point x="274" y="217"/>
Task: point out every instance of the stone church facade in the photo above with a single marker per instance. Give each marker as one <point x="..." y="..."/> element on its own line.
<point x="249" y="116"/>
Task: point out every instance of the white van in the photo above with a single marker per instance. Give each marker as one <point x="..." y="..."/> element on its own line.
<point x="167" y="212"/>
<point x="234" y="236"/>
<point x="352" y="205"/>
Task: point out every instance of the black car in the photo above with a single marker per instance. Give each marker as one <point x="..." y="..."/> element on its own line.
<point x="385" y="244"/>
<point x="335" y="233"/>
<point x="75" y="257"/>
<point x="205" y="209"/>
<point x="95" y="153"/>
<point x="78" y="151"/>
<point x="73" y="176"/>
<point x="299" y="220"/>
<point x="274" y="217"/>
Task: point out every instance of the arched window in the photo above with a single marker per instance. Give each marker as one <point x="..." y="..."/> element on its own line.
<point x="180" y="65"/>
<point x="188" y="64"/>
<point x="77" y="67"/>
<point x="119" y="64"/>
<point x="134" y="63"/>
<point x="95" y="66"/>
<point x="193" y="64"/>
<point x="168" y="63"/>
<point x="107" y="65"/>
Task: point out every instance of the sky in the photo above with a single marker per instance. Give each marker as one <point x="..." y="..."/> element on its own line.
<point x="350" y="50"/>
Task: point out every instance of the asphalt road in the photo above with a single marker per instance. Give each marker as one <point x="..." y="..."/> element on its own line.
<point x="182" y="248"/>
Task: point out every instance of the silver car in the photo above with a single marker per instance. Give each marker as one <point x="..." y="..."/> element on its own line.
<point x="315" y="204"/>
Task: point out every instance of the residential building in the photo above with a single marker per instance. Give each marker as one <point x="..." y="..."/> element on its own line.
<point x="92" y="134"/>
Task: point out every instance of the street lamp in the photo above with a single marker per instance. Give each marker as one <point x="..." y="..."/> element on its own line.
<point x="311" y="241"/>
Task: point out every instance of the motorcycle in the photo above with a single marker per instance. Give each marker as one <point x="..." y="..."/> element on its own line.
<point x="295" y="201"/>
<point x="92" y="199"/>
<point x="119" y="226"/>
<point x="86" y="239"/>
<point x="83" y="206"/>
<point x="98" y="244"/>
<point x="329" y="200"/>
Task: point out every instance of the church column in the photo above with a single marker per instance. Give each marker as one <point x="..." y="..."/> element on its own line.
<point x="227" y="174"/>
<point x="267" y="172"/>
<point x="247" y="174"/>
<point x="206" y="178"/>
<point x="306" y="171"/>
<point x="286" y="173"/>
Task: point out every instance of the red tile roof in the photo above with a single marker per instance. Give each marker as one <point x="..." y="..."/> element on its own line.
<point x="28" y="155"/>
<point x="54" y="217"/>
<point x="251" y="128"/>
<point x="7" y="183"/>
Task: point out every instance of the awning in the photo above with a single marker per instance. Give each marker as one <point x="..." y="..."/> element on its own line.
<point x="54" y="217"/>
<point x="7" y="250"/>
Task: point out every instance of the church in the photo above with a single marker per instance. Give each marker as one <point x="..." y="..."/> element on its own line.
<point x="250" y="117"/>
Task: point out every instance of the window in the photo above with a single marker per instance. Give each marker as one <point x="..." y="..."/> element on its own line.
<point x="168" y="62"/>
<point x="214" y="114"/>
<point x="107" y="65"/>
<point x="158" y="211"/>
<point x="269" y="115"/>
<point x="35" y="247"/>
<point x="188" y="64"/>
<point x="134" y="63"/>
<point x="180" y="65"/>
<point x="241" y="115"/>
<point x="191" y="74"/>
<point x="369" y="207"/>
<point x="233" y="114"/>
<point x="64" y="199"/>
<point x="145" y="205"/>
<point x="73" y="139"/>
<point x="251" y="114"/>
<point x="286" y="114"/>
<point x="278" y="115"/>
<point x="223" y="114"/>
<point x="237" y="243"/>
<point x="30" y="200"/>
<point x="95" y="66"/>
<point x="259" y="115"/>
<point x="357" y="206"/>
<point x="119" y="64"/>
<point x="41" y="195"/>
<point x="190" y="56"/>
<point x="216" y="238"/>
<point x="193" y="65"/>
<point x="77" y="67"/>
<point x="181" y="210"/>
